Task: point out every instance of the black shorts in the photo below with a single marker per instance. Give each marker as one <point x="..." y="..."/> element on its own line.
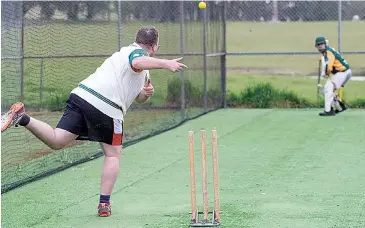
<point x="86" y="121"/>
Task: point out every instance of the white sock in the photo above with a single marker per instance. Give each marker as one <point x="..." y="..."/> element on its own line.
<point x="328" y="96"/>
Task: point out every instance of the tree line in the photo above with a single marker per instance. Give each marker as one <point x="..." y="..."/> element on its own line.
<point x="163" y="11"/>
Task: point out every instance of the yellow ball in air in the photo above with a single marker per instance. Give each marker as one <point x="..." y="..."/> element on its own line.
<point x="202" y="5"/>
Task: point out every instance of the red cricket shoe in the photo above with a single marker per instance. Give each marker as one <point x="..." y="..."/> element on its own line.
<point x="104" y="210"/>
<point x="13" y="116"/>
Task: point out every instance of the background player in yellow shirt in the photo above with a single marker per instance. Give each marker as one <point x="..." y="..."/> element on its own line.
<point x="337" y="70"/>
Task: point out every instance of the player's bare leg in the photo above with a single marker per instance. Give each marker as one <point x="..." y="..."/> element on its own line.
<point x="54" y="138"/>
<point x="108" y="176"/>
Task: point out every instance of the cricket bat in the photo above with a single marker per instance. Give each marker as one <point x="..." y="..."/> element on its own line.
<point x="323" y="66"/>
<point x="321" y="73"/>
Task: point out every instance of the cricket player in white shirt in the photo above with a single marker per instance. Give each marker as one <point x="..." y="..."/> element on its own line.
<point x="96" y="108"/>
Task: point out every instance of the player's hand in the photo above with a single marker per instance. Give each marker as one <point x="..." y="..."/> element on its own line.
<point x="174" y="65"/>
<point x="149" y="90"/>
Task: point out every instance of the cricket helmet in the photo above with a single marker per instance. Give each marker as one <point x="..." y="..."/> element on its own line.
<point x="320" y="40"/>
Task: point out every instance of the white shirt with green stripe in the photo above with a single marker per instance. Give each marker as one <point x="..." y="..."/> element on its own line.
<point x="114" y="86"/>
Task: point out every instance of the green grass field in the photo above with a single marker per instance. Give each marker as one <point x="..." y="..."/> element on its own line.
<point x="277" y="168"/>
<point x="89" y="39"/>
<point x="292" y="36"/>
<point x="287" y="37"/>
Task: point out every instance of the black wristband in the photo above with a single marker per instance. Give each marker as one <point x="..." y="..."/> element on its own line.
<point x="24" y="121"/>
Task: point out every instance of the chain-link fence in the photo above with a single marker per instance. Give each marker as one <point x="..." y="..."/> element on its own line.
<point x="277" y="37"/>
<point x="49" y="47"/>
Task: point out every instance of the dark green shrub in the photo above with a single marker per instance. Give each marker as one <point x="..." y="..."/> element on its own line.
<point x="289" y="99"/>
<point x="174" y="91"/>
<point x="58" y="100"/>
<point x="233" y="100"/>
<point x="214" y="97"/>
<point x="358" y="103"/>
<point x="258" y="96"/>
<point x="194" y="97"/>
<point x="192" y="94"/>
<point x="264" y="95"/>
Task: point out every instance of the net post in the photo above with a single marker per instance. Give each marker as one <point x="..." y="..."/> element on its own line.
<point x="182" y="77"/>
<point x="224" y="57"/>
<point x="319" y="78"/>
<point x="192" y="177"/>
<point x="21" y="79"/>
<point x="119" y="19"/>
<point x="41" y="82"/>
<point x="204" y="22"/>
<point x="339" y="26"/>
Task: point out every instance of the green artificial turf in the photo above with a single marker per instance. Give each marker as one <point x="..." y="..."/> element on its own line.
<point x="277" y="168"/>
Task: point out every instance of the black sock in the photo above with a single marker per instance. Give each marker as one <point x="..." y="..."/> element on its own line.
<point x="24" y="121"/>
<point x="104" y="198"/>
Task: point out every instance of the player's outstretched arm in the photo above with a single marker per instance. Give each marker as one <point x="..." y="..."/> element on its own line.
<point x="148" y="63"/>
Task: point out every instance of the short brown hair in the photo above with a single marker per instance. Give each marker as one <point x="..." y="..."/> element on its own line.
<point x="147" y="36"/>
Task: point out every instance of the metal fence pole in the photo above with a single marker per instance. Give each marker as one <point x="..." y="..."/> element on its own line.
<point x="182" y="78"/>
<point x="109" y="10"/>
<point x="339" y="27"/>
<point x="204" y="12"/>
<point x="41" y="83"/>
<point x="319" y="78"/>
<point x="21" y="78"/>
<point x="224" y="57"/>
<point x="119" y="15"/>
<point x="275" y="12"/>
